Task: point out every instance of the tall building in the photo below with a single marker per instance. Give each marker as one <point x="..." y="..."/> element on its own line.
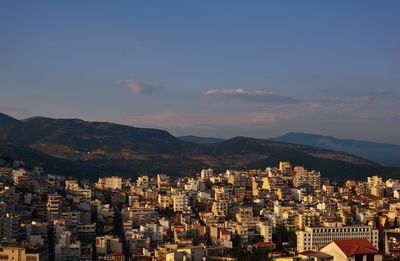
<point x="313" y="238"/>
<point x="53" y="206"/>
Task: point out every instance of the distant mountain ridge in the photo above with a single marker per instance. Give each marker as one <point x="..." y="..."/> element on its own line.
<point x="201" y="140"/>
<point x="382" y="153"/>
<point x="82" y="148"/>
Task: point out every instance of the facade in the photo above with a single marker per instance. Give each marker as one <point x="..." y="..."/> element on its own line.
<point x="392" y="242"/>
<point x="310" y="178"/>
<point x="113" y="182"/>
<point x="54" y="202"/>
<point x="313" y="238"/>
<point x="180" y="203"/>
<point x="13" y="251"/>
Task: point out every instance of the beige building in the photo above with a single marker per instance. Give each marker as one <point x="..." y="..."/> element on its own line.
<point x="180" y="203"/>
<point x="13" y="251"/>
<point x="313" y="238"/>
<point x="304" y="177"/>
<point x="109" y="183"/>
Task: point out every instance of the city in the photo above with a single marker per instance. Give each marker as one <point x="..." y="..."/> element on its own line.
<point x="281" y="212"/>
<point x="212" y="130"/>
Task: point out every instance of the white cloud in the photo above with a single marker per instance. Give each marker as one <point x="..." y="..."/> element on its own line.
<point x="249" y="95"/>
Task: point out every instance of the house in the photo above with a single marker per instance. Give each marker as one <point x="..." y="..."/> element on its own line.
<point x="352" y="250"/>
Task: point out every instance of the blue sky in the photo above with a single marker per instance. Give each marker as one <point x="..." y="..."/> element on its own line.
<point x="213" y="68"/>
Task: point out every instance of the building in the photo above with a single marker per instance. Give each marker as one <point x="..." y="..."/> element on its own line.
<point x="14" y="251"/>
<point x="114" y="183"/>
<point x="10" y="226"/>
<point x="354" y="250"/>
<point x="206" y="173"/>
<point x="313" y="238"/>
<point x="53" y="206"/>
<point x="162" y="182"/>
<point x="106" y="245"/>
<point x="303" y="177"/>
<point x="180" y="203"/>
<point x="71" y="185"/>
<point x="66" y="249"/>
<point x="285" y="167"/>
<point x="392" y="242"/>
<point x="265" y="231"/>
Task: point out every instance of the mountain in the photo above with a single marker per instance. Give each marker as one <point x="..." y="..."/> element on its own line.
<point x="201" y="140"/>
<point x="382" y="153"/>
<point x="80" y="148"/>
<point x="6" y="122"/>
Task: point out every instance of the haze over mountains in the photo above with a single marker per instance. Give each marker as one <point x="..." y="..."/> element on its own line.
<point x="81" y="148"/>
<point x="382" y="153"/>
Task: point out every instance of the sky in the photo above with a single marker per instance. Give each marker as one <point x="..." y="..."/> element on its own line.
<point x="209" y="68"/>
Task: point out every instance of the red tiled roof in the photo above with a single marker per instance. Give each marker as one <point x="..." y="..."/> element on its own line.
<point x="356" y="246"/>
<point x="265" y="244"/>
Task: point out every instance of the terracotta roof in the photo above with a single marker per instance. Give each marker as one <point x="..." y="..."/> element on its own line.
<point x="265" y="244"/>
<point x="356" y="246"/>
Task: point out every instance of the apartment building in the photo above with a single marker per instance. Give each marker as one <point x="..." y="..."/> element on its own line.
<point x="313" y="238"/>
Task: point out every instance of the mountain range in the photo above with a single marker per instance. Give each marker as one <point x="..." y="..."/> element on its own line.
<point x="80" y="148"/>
<point x="382" y="153"/>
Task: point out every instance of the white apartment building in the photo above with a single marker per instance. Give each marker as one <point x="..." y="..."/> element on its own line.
<point x="180" y="203"/>
<point x="206" y="173"/>
<point x="313" y="238"/>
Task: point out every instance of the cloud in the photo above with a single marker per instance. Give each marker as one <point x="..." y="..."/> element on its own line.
<point x="249" y="95"/>
<point x="138" y="87"/>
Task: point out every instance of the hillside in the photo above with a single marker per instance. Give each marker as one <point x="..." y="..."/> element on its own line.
<point x="382" y="153"/>
<point x="77" y="147"/>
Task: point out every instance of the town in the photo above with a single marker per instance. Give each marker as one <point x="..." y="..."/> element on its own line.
<point x="277" y="213"/>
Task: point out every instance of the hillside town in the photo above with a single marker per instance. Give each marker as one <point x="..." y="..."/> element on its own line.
<point x="278" y="213"/>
